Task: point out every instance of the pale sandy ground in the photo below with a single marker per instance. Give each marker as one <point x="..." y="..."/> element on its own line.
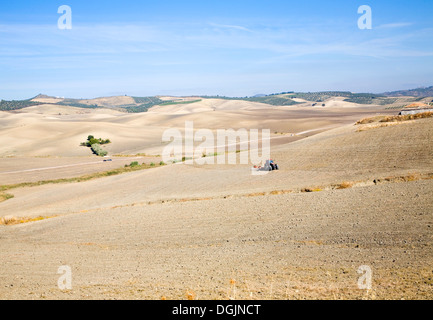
<point x="110" y="101"/>
<point x="49" y="130"/>
<point x="18" y="170"/>
<point x="218" y="232"/>
<point x="274" y="247"/>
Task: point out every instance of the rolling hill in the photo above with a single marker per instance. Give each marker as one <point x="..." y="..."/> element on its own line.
<point x="132" y="104"/>
<point x="419" y="92"/>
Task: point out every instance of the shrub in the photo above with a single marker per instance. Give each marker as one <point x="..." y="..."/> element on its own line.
<point x="91" y="140"/>
<point x="134" y="164"/>
<point x="97" y="149"/>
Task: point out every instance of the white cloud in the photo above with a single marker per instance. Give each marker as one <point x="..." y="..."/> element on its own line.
<point x="394" y="25"/>
<point x="226" y="26"/>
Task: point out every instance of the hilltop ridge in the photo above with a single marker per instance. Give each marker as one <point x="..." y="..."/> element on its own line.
<point x="133" y="104"/>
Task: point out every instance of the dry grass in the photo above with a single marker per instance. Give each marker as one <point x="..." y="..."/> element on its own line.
<point x="369" y="120"/>
<point x="256" y="194"/>
<point x="312" y="242"/>
<point x="9" y="220"/>
<point x="407" y="178"/>
<point x="277" y="192"/>
<point x="311" y="190"/>
<point x="342" y="185"/>
<point x="408" y="117"/>
<point x="379" y="125"/>
<point x="87" y="177"/>
<point x="190" y="295"/>
<point x="5" y="196"/>
<point x="345" y="185"/>
<point x="399" y="118"/>
<point x="135" y="155"/>
<point x="231" y="294"/>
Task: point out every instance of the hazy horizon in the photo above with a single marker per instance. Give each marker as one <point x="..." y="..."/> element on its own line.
<point x="204" y="95"/>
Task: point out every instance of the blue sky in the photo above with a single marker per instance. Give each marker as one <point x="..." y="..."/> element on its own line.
<point x="234" y="48"/>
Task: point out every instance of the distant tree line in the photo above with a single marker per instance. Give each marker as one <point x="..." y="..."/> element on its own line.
<point x="273" y="99"/>
<point x="360" y="98"/>
<point x="419" y="92"/>
<point x="144" y="104"/>
<point x="17" y="104"/>
<point x="75" y="103"/>
<point x="169" y="103"/>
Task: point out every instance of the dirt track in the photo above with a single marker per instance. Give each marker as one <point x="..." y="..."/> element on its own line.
<point x="29" y="169"/>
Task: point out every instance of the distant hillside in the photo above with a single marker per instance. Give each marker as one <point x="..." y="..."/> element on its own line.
<point x="277" y="99"/>
<point x="76" y="103"/>
<point x="143" y="104"/>
<point x="286" y="98"/>
<point x="17" y="104"/>
<point x="42" y="96"/>
<point x="120" y="103"/>
<point x="359" y="98"/>
<point x="419" y="92"/>
<point x="273" y="100"/>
